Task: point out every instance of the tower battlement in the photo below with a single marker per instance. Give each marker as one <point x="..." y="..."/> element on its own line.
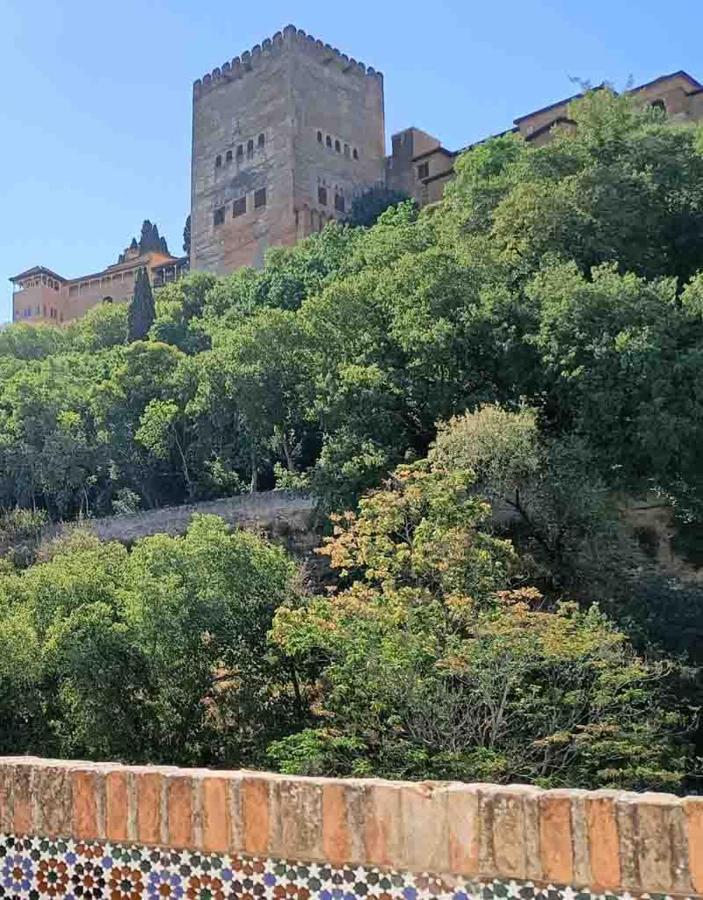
<point x="250" y="60"/>
<point x="277" y="152"/>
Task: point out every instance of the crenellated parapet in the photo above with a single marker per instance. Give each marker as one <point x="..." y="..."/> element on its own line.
<point x="260" y="54"/>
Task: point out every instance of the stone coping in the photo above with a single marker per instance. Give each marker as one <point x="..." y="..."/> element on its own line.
<point x="600" y="841"/>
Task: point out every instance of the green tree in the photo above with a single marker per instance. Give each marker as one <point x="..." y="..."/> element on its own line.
<point x="141" y="309"/>
<point x="368" y="206"/>
<point x="435" y="664"/>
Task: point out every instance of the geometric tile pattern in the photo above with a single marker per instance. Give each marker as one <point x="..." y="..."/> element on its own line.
<point x="32" y="868"/>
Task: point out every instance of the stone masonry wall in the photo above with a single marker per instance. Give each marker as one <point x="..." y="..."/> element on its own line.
<point x="289" y="117"/>
<point x="283" y="515"/>
<point x="74" y="829"/>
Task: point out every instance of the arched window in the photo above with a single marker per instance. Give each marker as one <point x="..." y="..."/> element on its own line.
<point x="240" y="152"/>
<point x="218" y="161"/>
<point x="328" y="141"/>
<point x="250" y="149"/>
<point x="659" y="105"/>
<point x="356" y="153"/>
<point x="337" y="146"/>
<point x="261" y="141"/>
<point x="228" y="156"/>
<point x="107" y="299"/>
<point x="319" y="137"/>
<point x="346" y="149"/>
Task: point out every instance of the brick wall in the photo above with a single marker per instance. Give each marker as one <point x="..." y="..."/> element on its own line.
<point x="293" y="836"/>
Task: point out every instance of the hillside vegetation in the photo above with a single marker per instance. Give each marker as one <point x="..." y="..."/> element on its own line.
<point x="471" y="391"/>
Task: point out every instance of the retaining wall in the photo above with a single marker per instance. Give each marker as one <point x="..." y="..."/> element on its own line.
<point x="284" y="515"/>
<point x="72" y="829"/>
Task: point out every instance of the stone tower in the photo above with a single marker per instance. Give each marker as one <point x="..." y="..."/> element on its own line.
<point x="283" y="138"/>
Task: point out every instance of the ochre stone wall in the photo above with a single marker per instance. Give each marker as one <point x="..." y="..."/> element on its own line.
<point x="163" y="831"/>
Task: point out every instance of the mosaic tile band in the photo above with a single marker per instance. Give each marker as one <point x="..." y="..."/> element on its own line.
<point x="32" y="868"/>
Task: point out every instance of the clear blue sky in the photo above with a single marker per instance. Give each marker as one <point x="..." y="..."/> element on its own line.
<point x="95" y="110"/>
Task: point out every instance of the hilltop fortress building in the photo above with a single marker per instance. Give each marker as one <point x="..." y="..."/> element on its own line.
<point x="284" y="137"/>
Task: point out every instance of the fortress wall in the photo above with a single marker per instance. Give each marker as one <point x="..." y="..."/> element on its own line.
<point x="70" y="829"/>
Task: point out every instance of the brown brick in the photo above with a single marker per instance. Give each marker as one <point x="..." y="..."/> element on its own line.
<point x="336" y="840"/>
<point x="555" y="838"/>
<point x="255" y="813"/>
<point x="662" y="861"/>
<point x="52" y="800"/>
<point x="626" y="816"/>
<point x="21" y="790"/>
<point x="510" y="845"/>
<point x="462" y="829"/>
<point x="149" y="787"/>
<point x="423" y="819"/>
<point x="117" y="811"/>
<point x="694" y="832"/>
<point x="298" y="819"/>
<point x="179" y="800"/>
<point x="85" y="805"/>
<point x="216" y="815"/>
<point x="382" y="832"/>
<point x="603" y="842"/>
<point x="6" y="823"/>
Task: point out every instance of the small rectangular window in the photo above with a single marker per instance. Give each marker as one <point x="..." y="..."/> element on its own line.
<point x="219" y="216"/>
<point x="240" y="151"/>
<point x="423" y="171"/>
<point x="322" y="196"/>
<point x="339" y="202"/>
<point x="240" y="207"/>
<point x="259" y="198"/>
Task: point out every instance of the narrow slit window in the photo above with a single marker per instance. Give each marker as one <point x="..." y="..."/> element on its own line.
<point x="218" y="161"/>
<point x="337" y="147"/>
<point x="319" y="137"/>
<point x="250" y="149"/>
<point x="339" y="203"/>
<point x="261" y="141"/>
<point x="240" y="152"/>
<point x="328" y="141"/>
<point x="356" y="153"/>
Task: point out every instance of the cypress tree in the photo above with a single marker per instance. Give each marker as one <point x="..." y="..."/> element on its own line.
<point x="186" y="237"/>
<point x="142" y="311"/>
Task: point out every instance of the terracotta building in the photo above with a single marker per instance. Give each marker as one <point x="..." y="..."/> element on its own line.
<point x="284" y="137"/>
<point x="41" y="295"/>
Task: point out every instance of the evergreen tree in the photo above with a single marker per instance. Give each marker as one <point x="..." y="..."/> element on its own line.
<point x="141" y="310"/>
<point x="151" y="240"/>
<point x="186" y="237"/>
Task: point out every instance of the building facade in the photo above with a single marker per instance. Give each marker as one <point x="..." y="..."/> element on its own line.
<point x="41" y="295"/>
<point x="285" y="136"/>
